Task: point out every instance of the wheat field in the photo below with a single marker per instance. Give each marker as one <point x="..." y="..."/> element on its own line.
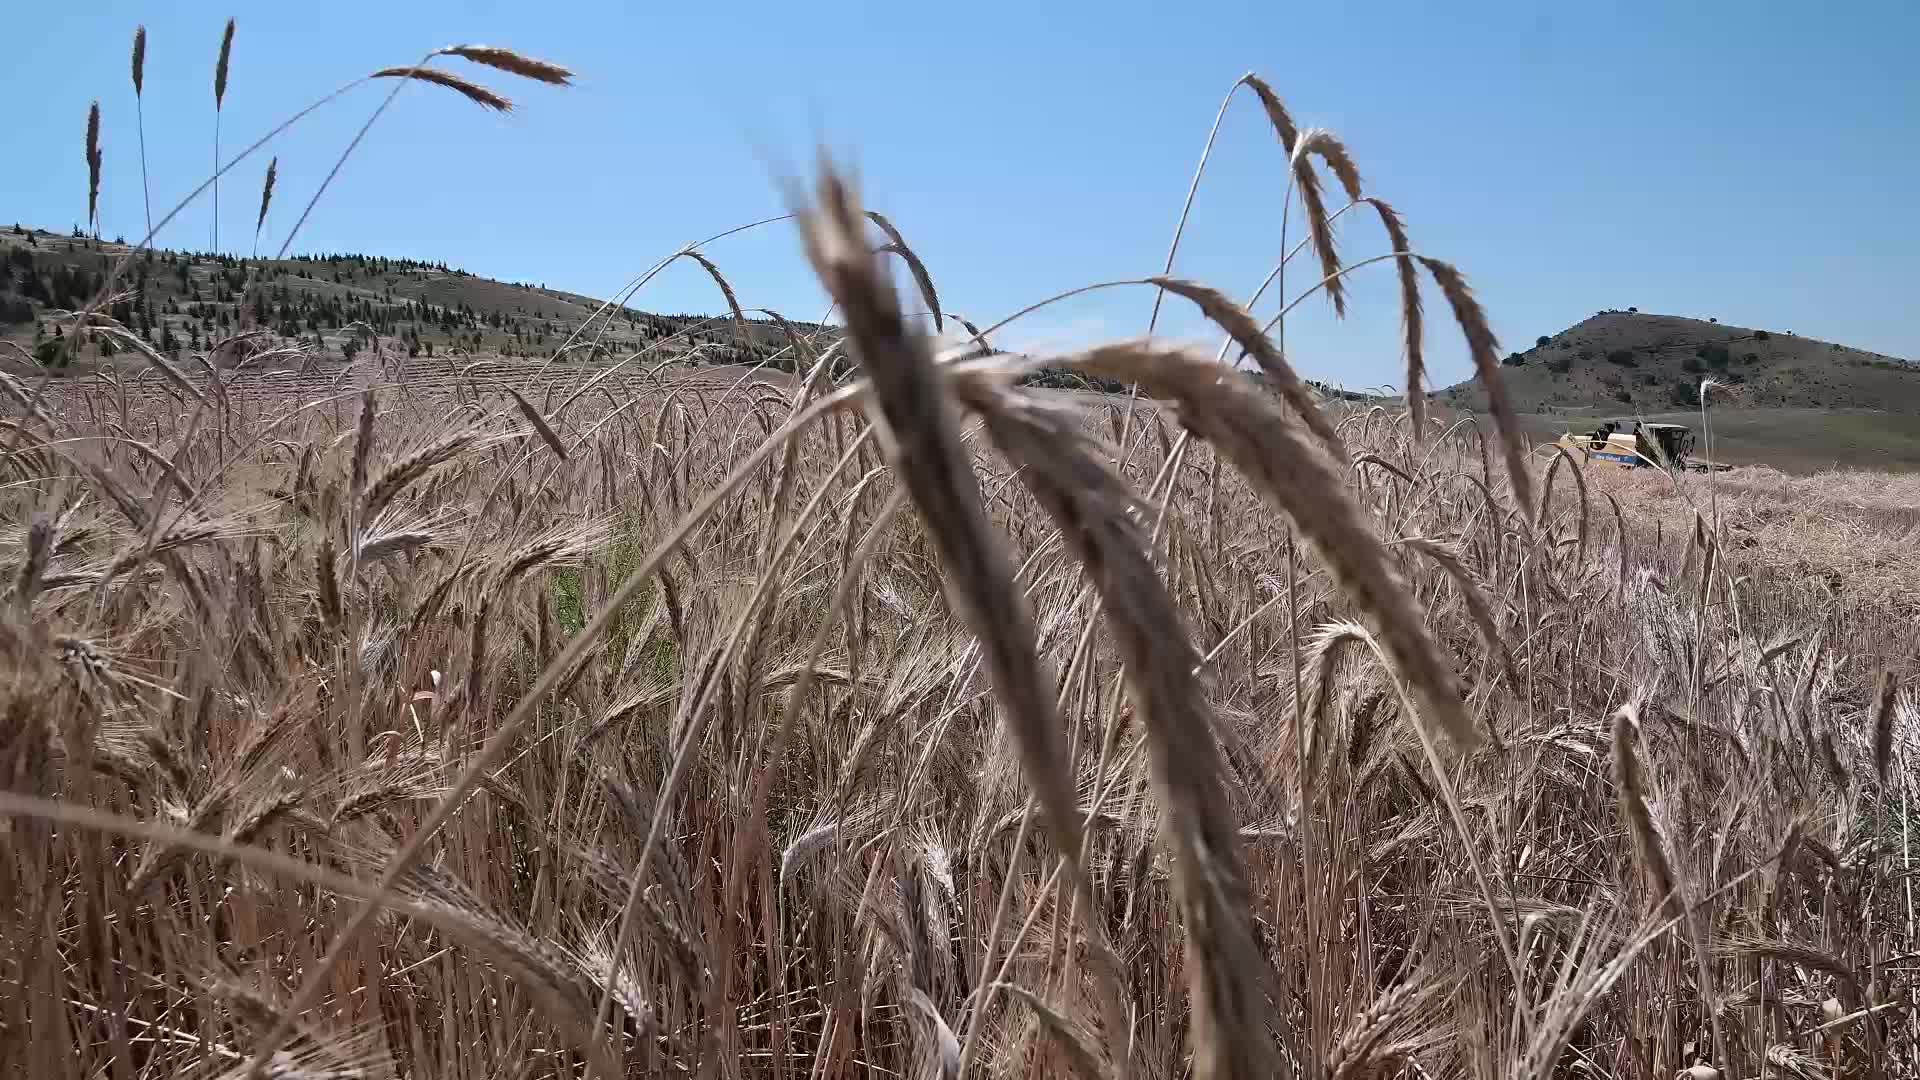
<point x="897" y="719"/>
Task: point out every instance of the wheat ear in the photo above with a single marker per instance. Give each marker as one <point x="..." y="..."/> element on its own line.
<point x="266" y="199"/>
<point x="466" y="88"/>
<point x="1884" y="696"/>
<point x="1635" y="806"/>
<point x="726" y="290"/>
<point x="1412" y="317"/>
<point x="1486" y="362"/>
<point x="540" y="424"/>
<point x="514" y="63"/>
<point x="1246" y="333"/>
<point x="897" y="245"/>
<point x="1318" y="142"/>
<point x="93" y="166"/>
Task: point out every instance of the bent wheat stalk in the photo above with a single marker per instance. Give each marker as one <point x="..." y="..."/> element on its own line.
<point x="935" y="469"/>
<point x="1099" y="522"/>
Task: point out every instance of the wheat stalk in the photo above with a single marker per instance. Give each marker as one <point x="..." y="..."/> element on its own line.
<point x="139" y="66"/>
<point x="933" y="468"/>
<point x="1090" y="505"/>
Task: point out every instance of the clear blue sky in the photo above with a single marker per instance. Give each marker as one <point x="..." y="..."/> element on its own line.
<point x="1754" y="162"/>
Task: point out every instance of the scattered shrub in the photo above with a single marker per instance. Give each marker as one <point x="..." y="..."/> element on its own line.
<point x="1063" y="379"/>
<point x="1623" y="357"/>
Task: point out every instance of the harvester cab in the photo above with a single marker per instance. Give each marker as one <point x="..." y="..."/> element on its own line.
<point x="1669" y="445"/>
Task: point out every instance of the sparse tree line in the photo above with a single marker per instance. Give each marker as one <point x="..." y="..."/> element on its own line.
<point x="181" y="300"/>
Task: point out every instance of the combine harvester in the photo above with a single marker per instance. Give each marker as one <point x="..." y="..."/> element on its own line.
<point x="1637" y="444"/>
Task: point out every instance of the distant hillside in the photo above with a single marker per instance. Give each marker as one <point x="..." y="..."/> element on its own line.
<point x="1625" y="362"/>
<point x="338" y="304"/>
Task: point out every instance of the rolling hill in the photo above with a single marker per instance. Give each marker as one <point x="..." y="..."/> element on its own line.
<point x="181" y="301"/>
<point x="1794" y="402"/>
<point x="336" y="305"/>
<point x="1624" y="361"/>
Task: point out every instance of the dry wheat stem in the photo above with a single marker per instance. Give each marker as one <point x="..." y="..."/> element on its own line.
<point x="139" y="68"/>
<point x="934" y="468"/>
<point x="219" y="99"/>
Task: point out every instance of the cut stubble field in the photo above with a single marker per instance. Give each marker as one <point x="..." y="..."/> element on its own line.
<point x="897" y="719"/>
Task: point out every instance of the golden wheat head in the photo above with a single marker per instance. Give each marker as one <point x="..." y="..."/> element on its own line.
<point x="472" y="91"/>
<point x="266" y="192"/>
<point x="220" y="67"/>
<point x="139" y="59"/>
<point x="512" y="62"/>
<point x="93" y="163"/>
